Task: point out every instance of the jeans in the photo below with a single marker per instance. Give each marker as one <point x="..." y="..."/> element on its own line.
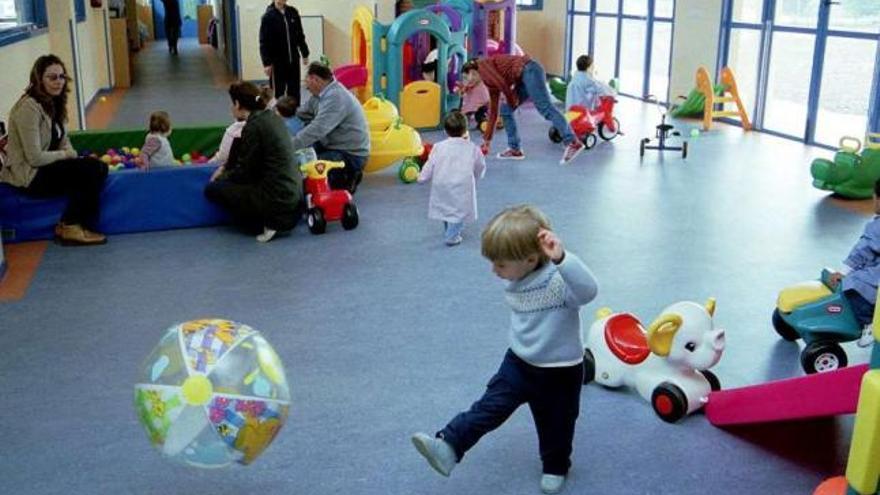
<point x="451" y="230"/>
<point x="533" y="85"/>
<point x="862" y="308"/>
<point x="553" y="395"/>
<point x="344" y="178"/>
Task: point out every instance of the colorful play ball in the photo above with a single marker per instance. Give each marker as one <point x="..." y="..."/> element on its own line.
<point x="212" y="393"/>
<point x="135" y="151"/>
<point x="186" y="157"/>
<point x="107" y="159"/>
<point x="695" y="133"/>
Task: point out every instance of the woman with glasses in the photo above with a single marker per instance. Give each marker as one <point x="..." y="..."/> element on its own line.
<point x="42" y="162"/>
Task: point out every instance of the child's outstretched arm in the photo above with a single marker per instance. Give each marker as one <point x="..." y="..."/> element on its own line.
<point x="581" y="286"/>
<point x="866" y="252"/>
<point x="428" y="168"/>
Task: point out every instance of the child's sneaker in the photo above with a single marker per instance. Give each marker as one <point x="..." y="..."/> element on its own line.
<point x="455" y="241"/>
<point x="439" y="454"/>
<point x="571" y="151"/>
<point x="867" y="337"/>
<point x="267" y="235"/>
<point x="552" y="483"/>
<point x="511" y="154"/>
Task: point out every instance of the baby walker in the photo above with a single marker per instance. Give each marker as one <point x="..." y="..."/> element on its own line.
<point x="664" y="132"/>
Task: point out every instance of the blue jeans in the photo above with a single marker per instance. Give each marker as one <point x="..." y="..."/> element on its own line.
<point x="862" y="308"/>
<point x="553" y="395"/>
<point x="451" y="230"/>
<point x="342" y="178"/>
<point x="533" y="85"/>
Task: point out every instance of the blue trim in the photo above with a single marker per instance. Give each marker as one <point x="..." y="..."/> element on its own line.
<point x="821" y="37"/>
<point x="32" y="22"/>
<point x="20" y="33"/>
<point x="77" y="82"/>
<point x="649" y="39"/>
<point x="80" y="9"/>
<point x="874" y="102"/>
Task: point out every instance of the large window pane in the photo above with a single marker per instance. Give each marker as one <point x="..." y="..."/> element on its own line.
<point x="745" y="50"/>
<point x="789" y="84"/>
<point x="580" y="37"/>
<point x="632" y="57"/>
<point x="846" y="87"/>
<point x="8" y="15"/>
<point x="856" y="15"/>
<point x="664" y="8"/>
<point x="801" y="13"/>
<point x="635" y="7"/>
<point x="747" y="11"/>
<point x="582" y="5"/>
<point x="607" y="6"/>
<point x="659" y="83"/>
<point x="605" y="47"/>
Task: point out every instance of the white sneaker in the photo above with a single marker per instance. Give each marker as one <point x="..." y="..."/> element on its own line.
<point x="436" y="451"/>
<point x="867" y="337"/>
<point x="552" y="483"/>
<point x="267" y="235"/>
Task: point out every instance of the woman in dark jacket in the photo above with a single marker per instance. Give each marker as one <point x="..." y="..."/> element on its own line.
<point x="172" y="24"/>
<point x="262" y="188"/>
<point x="281" y="43"/>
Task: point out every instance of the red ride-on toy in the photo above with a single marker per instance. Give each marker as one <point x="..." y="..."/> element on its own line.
<point x="325" y="204"/>
<point x="585" y="123"/>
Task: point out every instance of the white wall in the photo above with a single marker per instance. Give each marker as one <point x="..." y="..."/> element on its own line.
<point x="694" y="42"/>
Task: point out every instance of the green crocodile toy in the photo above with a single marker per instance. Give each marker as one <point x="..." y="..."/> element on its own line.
<point x="851" y="174"/>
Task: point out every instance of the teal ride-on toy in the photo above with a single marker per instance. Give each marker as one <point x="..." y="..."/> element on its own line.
<point x="820" y="315"/>
<point x="851" y="174"/>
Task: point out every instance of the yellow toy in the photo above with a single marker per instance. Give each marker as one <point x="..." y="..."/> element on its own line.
<point x="390" y="139"/>
<point x="729" y="95"/>
<point x="380" y="113"/>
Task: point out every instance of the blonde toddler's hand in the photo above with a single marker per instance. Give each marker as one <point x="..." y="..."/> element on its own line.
<point x="551" y="245"/>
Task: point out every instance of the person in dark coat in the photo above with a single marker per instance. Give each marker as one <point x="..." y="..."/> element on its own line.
<point x="172" y="24"/>
<point x="282" y="42"/>
<point x="261" y="186"/>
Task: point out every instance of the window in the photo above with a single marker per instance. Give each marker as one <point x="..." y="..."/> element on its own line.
<point x="530" y="4"/>
<point x="19" y="18"/>
<point x="80" y="8"/>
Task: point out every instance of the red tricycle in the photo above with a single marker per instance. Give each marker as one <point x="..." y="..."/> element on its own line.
<point x="325" y="204"/>
<point x="586" y="122"/>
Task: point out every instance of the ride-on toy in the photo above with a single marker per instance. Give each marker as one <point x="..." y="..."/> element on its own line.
<point x="668" y="364"/>
<point x="664" y="132"/>
<point x="585" y="123"/>
<point x="822" y="317"/>
<point x="325" y="204"/>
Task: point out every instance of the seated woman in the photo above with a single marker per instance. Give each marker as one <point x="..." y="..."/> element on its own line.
<point x="42" y="162"/>
<point x="260" y="185"/>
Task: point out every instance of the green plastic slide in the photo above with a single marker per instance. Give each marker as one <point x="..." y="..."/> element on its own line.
<point x="693" y="105"/>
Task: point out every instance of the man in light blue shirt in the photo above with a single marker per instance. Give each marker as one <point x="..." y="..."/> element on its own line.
<point x="584" y="89"/>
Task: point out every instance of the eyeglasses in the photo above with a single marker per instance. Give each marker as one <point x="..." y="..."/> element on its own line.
<point x="56" y="77"/>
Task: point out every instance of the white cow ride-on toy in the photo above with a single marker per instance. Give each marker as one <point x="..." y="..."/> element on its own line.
<point x="668" y="364"/>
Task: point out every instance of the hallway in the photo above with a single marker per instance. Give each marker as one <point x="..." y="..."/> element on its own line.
<point x="191" y="87"/>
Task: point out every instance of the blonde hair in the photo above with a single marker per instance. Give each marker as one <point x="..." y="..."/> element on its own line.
<point x="513" y="234"/>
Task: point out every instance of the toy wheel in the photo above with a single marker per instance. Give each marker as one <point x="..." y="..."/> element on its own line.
<point x="409" y="170"/>
<point x="590" y="141"/>
<point x="782" y="327"/>
<point x="714" y="382"/>
<point x="684" y="150"/>
<point x="589" y="366"/>
<point x="315" y="219"/>
<point x="669" y="402"/>
<point x="642" y="147"/>
<point x="609" y="134"/>
<point x="554" y="135"/>
<point x="350" y="216"/>
<point x="819" y="357"/>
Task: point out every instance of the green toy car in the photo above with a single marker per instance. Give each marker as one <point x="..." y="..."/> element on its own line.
<point x="851" y="174"/>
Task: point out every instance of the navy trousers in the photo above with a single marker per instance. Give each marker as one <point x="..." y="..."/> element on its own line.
<point x="553" y="395"/>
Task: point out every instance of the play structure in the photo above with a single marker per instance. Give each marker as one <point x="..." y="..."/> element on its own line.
<point x="668" y="364"/>
<point x="324" y="204"/>
<point x="386" y="59"/>
<point x="730" y="94"/>
<point x="820" y="315"/>
<point x="390" y="139"/>
<point x="132" y="200"/>
<point x="586" y="123"/>
<point x="851" y="174"/>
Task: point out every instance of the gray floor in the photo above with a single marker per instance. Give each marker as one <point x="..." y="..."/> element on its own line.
<point x="384" y="331"/>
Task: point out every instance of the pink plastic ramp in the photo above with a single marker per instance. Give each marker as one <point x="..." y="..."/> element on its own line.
<point x="805" y="397"/>
<point x="351" y="76"/>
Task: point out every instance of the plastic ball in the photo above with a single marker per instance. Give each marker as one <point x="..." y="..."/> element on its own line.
<point x="135" y="151"/>
<point x="186" y="157"/>
<point x="103" y="99"/>
<point x="107" y="159"/>
<point x="695" y="133"/>
<point x="212" y="393"/>
<point x="126" y="150"/>
<point x="112" y="152"/>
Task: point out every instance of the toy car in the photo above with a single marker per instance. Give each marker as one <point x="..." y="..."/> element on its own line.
<point x="822" y="317"/>
<point x="325" y="204"/>
<point x="585" y="123"/>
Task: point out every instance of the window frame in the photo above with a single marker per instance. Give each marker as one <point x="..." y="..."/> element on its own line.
<point x="534" y="5"/>
<point x="32" y="21"/>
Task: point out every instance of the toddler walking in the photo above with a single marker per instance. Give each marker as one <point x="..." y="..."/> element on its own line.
<point x="453" y="168"/>
<point x="156" y="151"/>
<point x="544" y="365"/>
